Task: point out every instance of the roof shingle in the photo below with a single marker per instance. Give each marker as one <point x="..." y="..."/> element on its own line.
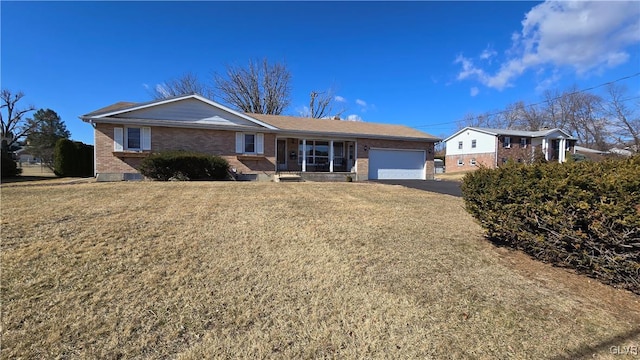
<point x="326" y="126"/>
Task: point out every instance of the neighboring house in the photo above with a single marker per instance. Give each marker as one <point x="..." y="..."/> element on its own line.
<point x="256" y="145"/>
<point x="472" y="146"/>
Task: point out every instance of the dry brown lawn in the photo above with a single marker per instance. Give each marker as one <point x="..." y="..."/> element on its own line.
<point x="273" y="270"/>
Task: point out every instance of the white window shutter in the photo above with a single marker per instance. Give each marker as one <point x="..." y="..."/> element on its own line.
<point x="260" y="143"/>
<point x="146" y="138"/>
<point x="118" y="139"/>
<point x="239" y="143"/>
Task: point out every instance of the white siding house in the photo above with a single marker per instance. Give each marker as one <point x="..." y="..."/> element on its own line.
<point x="473" y="146"/>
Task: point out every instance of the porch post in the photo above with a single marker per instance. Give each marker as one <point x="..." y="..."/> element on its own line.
<point x="561" y="151"/>
<point x="355" y="158"/>
<point x="544" y="149"/>
<point x="330" y="155"/>
<point x="304" y="155"/>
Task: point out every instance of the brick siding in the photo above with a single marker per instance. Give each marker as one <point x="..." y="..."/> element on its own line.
<point x="222" y="143"/>
<point x="485" y="159"/>
<point x="214" y="142"/>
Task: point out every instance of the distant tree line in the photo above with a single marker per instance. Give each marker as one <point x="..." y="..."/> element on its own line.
<point x="598" y="122"/>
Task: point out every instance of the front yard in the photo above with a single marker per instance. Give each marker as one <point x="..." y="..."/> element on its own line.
<point x="274" y="270"/>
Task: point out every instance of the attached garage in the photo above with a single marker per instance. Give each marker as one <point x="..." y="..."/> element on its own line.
<point x="394" y="164"/>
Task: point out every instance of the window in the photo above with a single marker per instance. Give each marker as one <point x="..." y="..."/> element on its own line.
<point x="506" y="142"/>
<point x="317" y="152"/>
<point x="523" y="142"/>
<point x="473" y="144"/>
<point x="460" y="162"/>
<point x="459" y="145"/>
<point x="473" y="162"/>
<point x="249" y="143"/>
<point x="133" y="139"/>
<point x="504" y="160"/>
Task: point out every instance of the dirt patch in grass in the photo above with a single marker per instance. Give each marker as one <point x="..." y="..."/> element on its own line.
<point x="306" y="270"/>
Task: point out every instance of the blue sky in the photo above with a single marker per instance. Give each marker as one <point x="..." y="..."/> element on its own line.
<point x="421" y="64"/>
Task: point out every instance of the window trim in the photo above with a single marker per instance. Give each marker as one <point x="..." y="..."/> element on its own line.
<point x="506" y="142"/>
<point x="460" y="162"/>
<point x="474" y="143"/>
<point x="311" y="144"/>
<point x="121" y="139"/>
<point x="245" y="143"/>
<point x="258" y="143"/>
<point x="126" y="138"/>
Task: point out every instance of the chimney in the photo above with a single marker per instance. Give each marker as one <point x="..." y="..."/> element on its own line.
<point x="337" y="117"/>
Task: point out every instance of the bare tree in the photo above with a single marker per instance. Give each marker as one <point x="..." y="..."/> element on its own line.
<point x="188" y="83"/>
<point x="12" y="126"/>
<point x="321" y="105"/>
<point x="260" y="88"/>
<point x="625" y="120"/>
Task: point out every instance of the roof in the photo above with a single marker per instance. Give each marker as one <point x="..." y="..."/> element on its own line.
<point x="515" y="133"/>
<point x="123" y="107"/>
<point x="274" y="123"/>
<point x="335" y="127"/>
<point x="113" y="107"/>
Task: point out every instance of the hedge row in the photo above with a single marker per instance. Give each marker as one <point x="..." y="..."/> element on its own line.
<point x="582" y="215"/>
<point x="72" y="158"/>
<point x="184" y="165"/>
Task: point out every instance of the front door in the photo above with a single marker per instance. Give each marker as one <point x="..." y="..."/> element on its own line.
<point x="281" y="154"/>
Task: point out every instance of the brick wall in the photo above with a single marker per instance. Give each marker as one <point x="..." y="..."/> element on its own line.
<point x="214" y="142"/>
<point x="486" y="159"/>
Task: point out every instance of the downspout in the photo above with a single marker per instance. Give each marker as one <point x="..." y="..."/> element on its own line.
<point x="496" y="147"/>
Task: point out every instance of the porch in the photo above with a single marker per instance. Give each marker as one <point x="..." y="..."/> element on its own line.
<point x="304" y="156"/>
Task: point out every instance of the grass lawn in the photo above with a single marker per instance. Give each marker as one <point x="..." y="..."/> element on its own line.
<point x="275" y="270"/>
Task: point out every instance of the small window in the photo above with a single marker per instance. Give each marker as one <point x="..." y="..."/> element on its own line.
<point x="249" y="143"/>
<point x="460" y="162"/>
<point x="459" y="145"/>
<point x="473" y="144"/>
<point x="504" y="160"/>
<point x="473" y="162"/>
<point x="506" y="143"/>
<point x="523" y="142"/>
<point x="519" y="161"/>
<point x="134" y="138"/>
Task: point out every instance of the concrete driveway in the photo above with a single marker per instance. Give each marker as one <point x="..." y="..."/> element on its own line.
<point x="442" y="186"/>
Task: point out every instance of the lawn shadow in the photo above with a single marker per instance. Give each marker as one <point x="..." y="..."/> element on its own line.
<point x="612" y="345"/>
<point x="21" y="178"/>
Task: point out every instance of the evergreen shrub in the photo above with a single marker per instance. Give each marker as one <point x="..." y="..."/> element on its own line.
<point x="184" y="165"/>
<point x="582" y="215"/>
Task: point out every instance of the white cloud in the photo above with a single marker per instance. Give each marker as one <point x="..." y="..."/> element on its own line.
<point x="474" y="91"/>
<point x="353" y="117"/>
<point x="339" y="98"/>
<point x="361" y="102"/>
<point x="488" y="54"/>
<point x="583" y="35"/>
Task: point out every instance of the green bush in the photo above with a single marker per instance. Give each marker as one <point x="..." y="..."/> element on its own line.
<point x="583" y="215"/>
<point x="184" y="165"/>
<point x="72" y="158"/>
<point x="9" y="167"/>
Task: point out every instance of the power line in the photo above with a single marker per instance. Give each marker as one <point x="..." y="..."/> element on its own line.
<point x="545" y="101"/>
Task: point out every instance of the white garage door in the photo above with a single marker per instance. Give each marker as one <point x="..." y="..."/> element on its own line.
<point x="396" y="164"/>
